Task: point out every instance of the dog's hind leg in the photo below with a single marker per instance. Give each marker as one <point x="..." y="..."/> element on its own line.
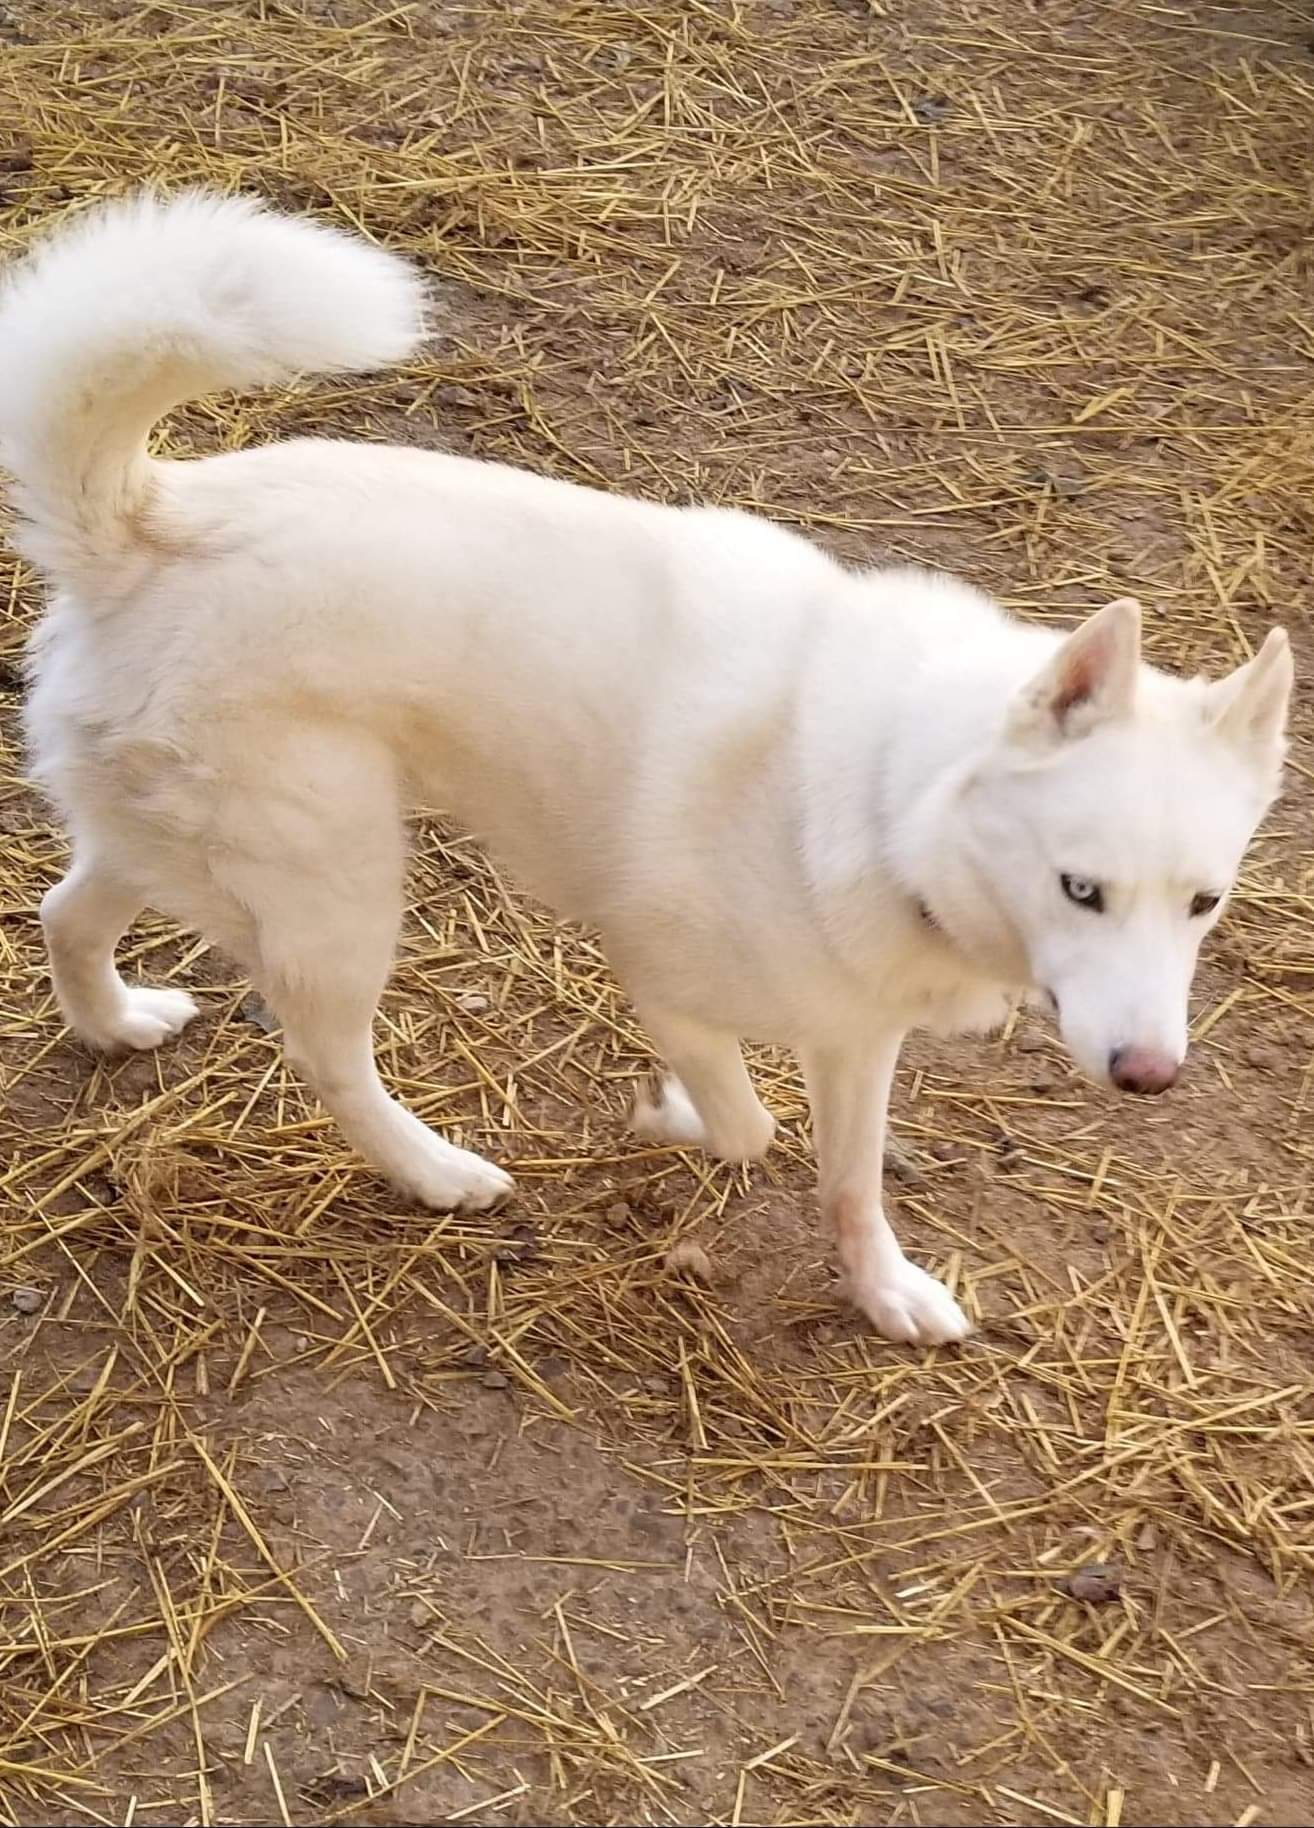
<point x="84" y="917"/>
<point x="707" y="1101"/>
<point x="325" y="992"/>
<point x="318" y="866"/>
<point x="849" y="1089"/>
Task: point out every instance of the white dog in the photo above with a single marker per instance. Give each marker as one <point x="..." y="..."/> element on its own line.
<point x="802" y="804"/>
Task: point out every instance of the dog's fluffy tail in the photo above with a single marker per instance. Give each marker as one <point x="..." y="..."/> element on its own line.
<point x="137" y="306"/>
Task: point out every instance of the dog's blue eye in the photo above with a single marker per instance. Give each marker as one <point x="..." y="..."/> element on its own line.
<point x="1084" y="892"/>
<point x="1203" y="903"/>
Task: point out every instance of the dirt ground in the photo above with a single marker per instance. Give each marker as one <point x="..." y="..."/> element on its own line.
<point x="317" y="1508"/>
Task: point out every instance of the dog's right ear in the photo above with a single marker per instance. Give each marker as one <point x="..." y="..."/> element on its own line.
<point x="1249" y="707"/>
<point x="1091" y="679"/>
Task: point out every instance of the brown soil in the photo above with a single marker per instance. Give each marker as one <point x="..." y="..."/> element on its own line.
<point x="317" y="1508"/>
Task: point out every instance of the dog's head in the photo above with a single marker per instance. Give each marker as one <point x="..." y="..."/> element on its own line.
<point x="1107" y="823"/>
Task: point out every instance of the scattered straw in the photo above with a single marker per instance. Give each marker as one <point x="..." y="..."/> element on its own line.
<point x="312" y="1499"/>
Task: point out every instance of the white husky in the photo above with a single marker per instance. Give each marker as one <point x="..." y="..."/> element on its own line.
<point x="802" y="804"/>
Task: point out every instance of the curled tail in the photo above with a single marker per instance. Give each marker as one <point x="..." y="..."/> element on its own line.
<point x="137" y="306"/>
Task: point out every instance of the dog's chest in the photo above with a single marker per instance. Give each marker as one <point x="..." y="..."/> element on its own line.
<point x="927" y="984"/>
<point x="915" y="979"/>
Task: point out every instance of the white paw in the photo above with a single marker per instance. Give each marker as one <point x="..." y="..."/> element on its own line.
<point x="669" y="1117"/>
<point x="450" y="1179"/>
<point x="750" y="1142"/>
<point x="908" y="1306"/>
<point x="146" y="1018"/>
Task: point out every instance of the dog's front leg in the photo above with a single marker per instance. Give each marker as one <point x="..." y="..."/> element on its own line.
<point x="707" y="1101"/>
<point x="849" y="1089"/>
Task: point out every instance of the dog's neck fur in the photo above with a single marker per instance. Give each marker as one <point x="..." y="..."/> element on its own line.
<point x="890" y="866"/>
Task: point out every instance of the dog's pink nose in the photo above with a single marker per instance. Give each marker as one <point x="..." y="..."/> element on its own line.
<point x="1142" y="1069"/>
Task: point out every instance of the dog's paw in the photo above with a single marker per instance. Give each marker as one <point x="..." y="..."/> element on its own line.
<point x="450" y="1179"/>
<point x="146" y="1018"/>
<point x="909" y="1307"/>
<point x="750" y="1140"/>
<point x="667" y="1115"/>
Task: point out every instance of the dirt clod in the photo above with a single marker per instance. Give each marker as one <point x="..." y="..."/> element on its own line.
<point x="902" y="1164"/>
<point x="690" y="1259"/>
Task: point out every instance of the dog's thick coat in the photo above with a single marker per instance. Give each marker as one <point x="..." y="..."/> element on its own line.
<point x="800" y="804"/>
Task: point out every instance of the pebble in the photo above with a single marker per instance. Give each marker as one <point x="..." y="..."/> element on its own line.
<point x="931" y="109"/>
<point x="253" y="1008"/>
<point x="472" y="1004"/>
<point x="614" y="58"/>
<point x="1098" y="1584"/>
<point x="1065" y="486"/>
<point x="28" y="1300"/>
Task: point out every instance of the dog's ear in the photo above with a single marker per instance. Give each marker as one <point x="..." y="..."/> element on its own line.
<point x="1249" y="707"/>
<point x="1091" y="678"/>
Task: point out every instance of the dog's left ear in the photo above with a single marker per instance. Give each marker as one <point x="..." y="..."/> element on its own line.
<point x="1249" y="707"/>
<point x="1090" y="679"/>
